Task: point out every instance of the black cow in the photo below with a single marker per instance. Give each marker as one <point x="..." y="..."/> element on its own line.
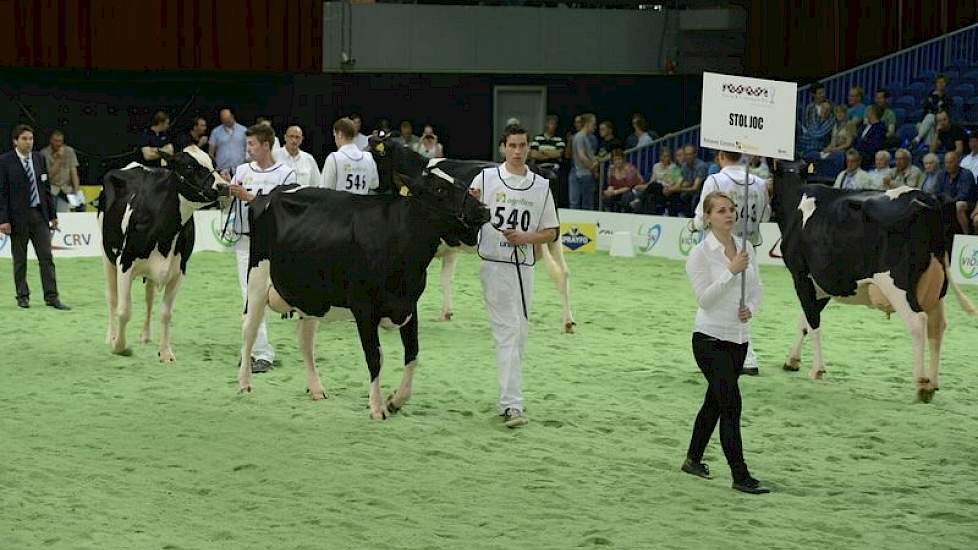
<point x="403" y="160"/>
<point x="146" y="217"/>
<point x="886" y="250"/>
<point x="314" y="249"/>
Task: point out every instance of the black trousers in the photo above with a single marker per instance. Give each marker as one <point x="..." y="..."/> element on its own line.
<point x="40" y="236"/>
<point x="721" y="363"/>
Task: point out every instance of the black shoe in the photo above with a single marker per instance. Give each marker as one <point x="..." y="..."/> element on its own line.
<point x="751" y="371"/>
<point x="751" y="486"/>
<point x="697" y="469"/>
<point x="23" y="302"/>
<point x="261" y="365"/>
<point x="58" y="305"/>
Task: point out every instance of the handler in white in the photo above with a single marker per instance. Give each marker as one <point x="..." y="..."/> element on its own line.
<point x="306" y="170"/>
<point x="523" y="214"/>
<point x="730" y="180"/>
<point x="348" y="168"/>
<point x="261" y="175"/>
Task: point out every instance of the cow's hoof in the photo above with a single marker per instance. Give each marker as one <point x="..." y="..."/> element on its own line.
<point x="394" y="402"/>
<point x="317" y="395"/>
<point x="816" y="374"/>
<point x="167" y="356"/>
<point x="381" y="414"/>
<point x="244" y="389"/>
<point x="792" y="365"/>
<point x="569" y="327"/>
<point x="125" y="352"/>
<point x="924" y="395"/>
<point x="446" y="316"/>
<point x="144" y="338"/>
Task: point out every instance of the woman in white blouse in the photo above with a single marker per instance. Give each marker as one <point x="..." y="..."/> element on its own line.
<point x="722" y="330"/>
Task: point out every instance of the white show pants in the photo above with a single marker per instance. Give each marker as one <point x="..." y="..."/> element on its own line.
<point x="262" y="349"/>
<point x="501" y="291"/>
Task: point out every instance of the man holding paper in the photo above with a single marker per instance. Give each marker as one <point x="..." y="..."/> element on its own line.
<point x="63" y="173"/>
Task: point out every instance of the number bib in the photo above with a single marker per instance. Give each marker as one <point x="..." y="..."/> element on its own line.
<point x="510" y="208"/>
<point x="354" y="175"/>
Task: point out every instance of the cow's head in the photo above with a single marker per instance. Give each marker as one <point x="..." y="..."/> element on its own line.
<point x="197" y="180"/>
<point x="395" y="163"/>
<point x="448" y="201"/>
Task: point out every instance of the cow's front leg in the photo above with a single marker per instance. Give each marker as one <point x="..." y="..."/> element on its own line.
<point x="123" y="313"/>
<point x="166" y="314"/>
<point x="111" y="299"/>
<point x="936" y="324"/>
<point x="306" y="332"/>
<point x="793" y="362"/>
<point x="553" y="256"/>
<point x="367" y="323"/>
<point x="256" y="300"/>
<point x="145" y="335"/>
<point x="448" y="263"/>
<point x="811" y="307"/>
<point x="409" y="338"/>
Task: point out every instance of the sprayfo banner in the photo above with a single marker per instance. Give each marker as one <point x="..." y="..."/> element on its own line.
<point x="579" y="237"/>
<point x="748" y="115"/>
<point x="964" y="260"/>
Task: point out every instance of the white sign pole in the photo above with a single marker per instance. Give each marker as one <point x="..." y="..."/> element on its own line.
<point x="750" y="116"/>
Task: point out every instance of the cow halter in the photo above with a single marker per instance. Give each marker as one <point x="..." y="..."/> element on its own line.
<point x="187" y="190"/>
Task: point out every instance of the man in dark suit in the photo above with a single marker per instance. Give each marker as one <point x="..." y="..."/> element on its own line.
<point x="27" y="212"/>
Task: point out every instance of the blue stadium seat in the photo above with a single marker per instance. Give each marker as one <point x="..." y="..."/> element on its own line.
<point x="971" y="109"/>
<point x="895" y="89"/>
<point x="916" y="115"/>
<point x="964" y="89"/>
<point x="970" y="75"/>
<point x="957" y="107"/>
<point x="952" y="75"/>
<point x="907" y="102"/>
<point x="919" y="89"/>
<point x="907" y="131"/>
<point x="927" y="75"/>
<point x="901" y="115"/>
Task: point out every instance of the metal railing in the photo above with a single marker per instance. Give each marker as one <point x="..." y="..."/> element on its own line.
<point x="897" y="71"/>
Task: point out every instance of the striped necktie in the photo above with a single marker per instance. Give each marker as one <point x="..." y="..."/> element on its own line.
<point x="35" y="195"/>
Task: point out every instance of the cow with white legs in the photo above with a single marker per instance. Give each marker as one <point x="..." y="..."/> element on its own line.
<point x="315" y="251"/>
<point x="885" y="250"/>
<point x="146" y="218"/>
<point x="412" y="164"/>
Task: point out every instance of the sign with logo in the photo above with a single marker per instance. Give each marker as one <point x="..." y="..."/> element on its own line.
<point x="579" y="237"/>
<point x="689" y="237"/>
<point x="647" y="236"/>
<point x="748" y="115"/>
<point x="77" y="235"/>
<point x="964" y="260"/>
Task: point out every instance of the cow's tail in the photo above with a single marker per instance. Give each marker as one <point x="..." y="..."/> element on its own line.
<point x="966" y="304"/>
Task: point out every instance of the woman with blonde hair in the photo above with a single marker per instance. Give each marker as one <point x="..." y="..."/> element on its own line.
<point x="721" y="333"/>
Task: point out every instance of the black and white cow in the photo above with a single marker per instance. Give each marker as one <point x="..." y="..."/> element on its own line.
<point x="314" y="249"/>
<point x="885" y="250"/>
<point x="406" y="161"/>
<point x="146" y="217"/>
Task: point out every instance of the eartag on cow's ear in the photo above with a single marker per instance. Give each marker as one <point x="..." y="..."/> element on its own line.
<point x="811" y="168"/>
<point x="380" y="149"/>
<point x="405" y="192"/>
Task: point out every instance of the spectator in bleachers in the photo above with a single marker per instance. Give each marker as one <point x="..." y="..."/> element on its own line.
<point x="958" y="184"/>
<point x="361" y="141"/>
<point x="813" y="110"/>
<point x="881" y="171"/>
<point x="936" y="102"/>
<point x="407" y="137"/>
<point x="547" y="148"/>
<point x="888" y="118"/>
<point x="905" y="173"/>
<point x="651" y="197"/>
<point x="713" y="167"/>
<point x="842" y="133"/>
<point x="583" y="188"/>
<point x="949" y="137"/>
<point x="857" y="109"/>
<point x="969" y="161"/>
<point x="428" y="146"/>
<point x="853" y="177"/>
<point x="641" y="136"/>
<point x="155" y="139"/>
<point x="694" y="172"/>
<point x="62" y="163"/>
<point x="814" y="133"/>
<point x="932" y="174"/>
<point x="227" y="143"/>
<point x="870" y="139"/>
<point x="623" y="177"/>
<point x="607" y="142"/>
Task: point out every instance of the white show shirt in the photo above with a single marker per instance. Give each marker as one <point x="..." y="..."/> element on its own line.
<point x="717" y="290"/>
<point x="361" y="141"/>
<point x="351" y="170"/>
<point x="306" y="170"/>
<point x="255" y="181"/>
<point x="730" y="180"/>
<point x="515" y="202"/>
<point x="970" y="161"/>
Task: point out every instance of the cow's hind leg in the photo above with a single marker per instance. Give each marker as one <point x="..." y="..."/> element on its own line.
<point x="553" y="258"/>
<point x="111" y="299"/>
<point x="306" y="332"/>
<point x="146" y="334"/>
<point x="123" y="313"/>
<point x="917" y="324"/>
<point x="448" y="262"/>
<point x="936" y="324"/>
<point x="256" y="300"/>
<point x="367" y="323"/>
<point x="409" y="338"/>
<point x="166" y="314"/>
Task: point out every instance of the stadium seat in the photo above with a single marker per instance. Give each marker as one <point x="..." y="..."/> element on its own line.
<point x="916" y="115"/>
<point x="919" y="89"/>
<point x="901" y="115"/>
<point x="969" y="76"/>
<point x="907" y="131"/>
<point x="952" y="75"/>
<point x="907" y="102"/>
<point x="971" y="109"/>
<point x="957" y="107"/>
<point x="964" y="89"/>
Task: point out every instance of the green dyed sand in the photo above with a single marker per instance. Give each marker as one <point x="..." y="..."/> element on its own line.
<point x="99" y="451"/>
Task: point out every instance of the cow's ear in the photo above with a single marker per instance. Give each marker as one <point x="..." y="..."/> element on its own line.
<point x="401" y="185"/>
<point x="165" y="156"/>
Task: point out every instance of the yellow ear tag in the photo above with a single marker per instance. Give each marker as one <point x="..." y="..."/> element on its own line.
<point x="811" y="168"/>
<point x="405" y="192"/>
<point x="379" y="148"/>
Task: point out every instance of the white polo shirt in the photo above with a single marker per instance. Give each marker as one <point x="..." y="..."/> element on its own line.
<point x="306" y="169"/>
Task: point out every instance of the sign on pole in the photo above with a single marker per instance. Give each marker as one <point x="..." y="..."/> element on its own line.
<point x="748" y="115"/>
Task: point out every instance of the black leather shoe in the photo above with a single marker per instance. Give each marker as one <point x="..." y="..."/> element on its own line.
<point x="23" y="302"/>
<point x="697" y="469"/>
<point x="58" y="305"/>
<point x="750" y="486"/>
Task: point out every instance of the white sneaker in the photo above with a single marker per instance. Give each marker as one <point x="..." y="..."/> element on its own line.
<point x="514" y="418"/>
